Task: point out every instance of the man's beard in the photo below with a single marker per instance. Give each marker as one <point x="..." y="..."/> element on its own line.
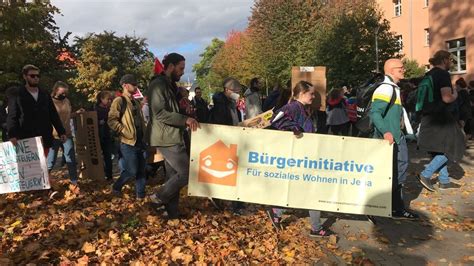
<point x="32" y="84"/>
<point x="175" y="77"/>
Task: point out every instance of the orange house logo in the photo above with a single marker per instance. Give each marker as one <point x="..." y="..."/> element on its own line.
<point x="218" y="164"/>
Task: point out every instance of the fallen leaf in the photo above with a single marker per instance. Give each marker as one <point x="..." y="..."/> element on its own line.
<point x="88" y="247"/>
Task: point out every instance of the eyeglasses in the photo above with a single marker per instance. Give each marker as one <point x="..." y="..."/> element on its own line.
<point x="33" y="76"/>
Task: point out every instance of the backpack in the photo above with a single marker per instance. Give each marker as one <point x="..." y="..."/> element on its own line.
<point x="425" y="88"/>
<point x="364" y="104"/>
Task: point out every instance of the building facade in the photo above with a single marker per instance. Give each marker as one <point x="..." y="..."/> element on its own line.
<point x="426" y="26"/>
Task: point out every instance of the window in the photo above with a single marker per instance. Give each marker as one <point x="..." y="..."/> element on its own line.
<point x="400" y="42"/>
<point x="427" y="3"/>
<point x="457" y="48"/>
<point x="427" y="37"/>
<point x="397" y="4"/>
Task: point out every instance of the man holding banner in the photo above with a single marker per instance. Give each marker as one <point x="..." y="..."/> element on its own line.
<point x="386" y="115"/>
<point x="165" y="131"/>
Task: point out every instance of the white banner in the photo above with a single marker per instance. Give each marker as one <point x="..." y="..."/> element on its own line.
<point x="23" y="167"/>
<point x="320" y="172"/>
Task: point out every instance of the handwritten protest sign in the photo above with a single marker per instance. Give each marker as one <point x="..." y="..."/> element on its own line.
<point x="320" y="172"/>
<point x="23" y="167"/>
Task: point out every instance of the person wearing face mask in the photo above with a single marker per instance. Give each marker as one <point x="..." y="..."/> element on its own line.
<point x="64" y="109"/>
<point x="225" y="110"/>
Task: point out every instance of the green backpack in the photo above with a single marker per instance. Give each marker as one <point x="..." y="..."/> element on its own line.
<point x="425" y="88"/>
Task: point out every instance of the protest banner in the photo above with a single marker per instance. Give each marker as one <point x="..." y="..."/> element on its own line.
<point x="23" y="167"/>
<point x="88" y="148"/>
<point x="321" y="172"/>
<point x="315" y="76"/>
<point x="262" y="120"/>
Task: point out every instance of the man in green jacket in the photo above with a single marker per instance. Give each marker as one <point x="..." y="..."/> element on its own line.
<point x="165" y="131"/>
<point x="388" y="125"/>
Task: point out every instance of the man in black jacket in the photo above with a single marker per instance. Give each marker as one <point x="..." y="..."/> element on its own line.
<point x="225" y="110"/>
<point x="31" y="112"/>
<point x="202" y="112"/>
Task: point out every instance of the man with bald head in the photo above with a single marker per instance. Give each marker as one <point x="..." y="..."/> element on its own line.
<point x="386" y="115"/>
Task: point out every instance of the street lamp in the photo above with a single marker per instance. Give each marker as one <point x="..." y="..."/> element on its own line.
<point x="377" y="49"/>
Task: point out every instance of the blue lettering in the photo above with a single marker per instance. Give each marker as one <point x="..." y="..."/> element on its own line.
<point x="253" y="157"/>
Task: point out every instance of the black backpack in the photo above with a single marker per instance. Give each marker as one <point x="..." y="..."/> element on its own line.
<point x="364" y="102"/>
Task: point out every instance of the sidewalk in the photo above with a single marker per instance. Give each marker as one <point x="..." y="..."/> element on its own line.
<point x="443" y="236"/>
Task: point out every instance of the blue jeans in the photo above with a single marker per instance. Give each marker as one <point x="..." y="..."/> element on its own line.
<point x="69" y="155"/>
<point x="132" y="164"/>
<point x="438" y="163"/>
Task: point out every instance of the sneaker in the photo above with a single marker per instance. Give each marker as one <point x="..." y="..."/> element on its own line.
<point x="371" y="219"/>
<point x="449" y="185"/>
<point x="321" y="233"/>
<point x="154" y="200"/>
<point x="276" y="221"/>
<point x="405" y="215"/>
<point x="426" y="183"/>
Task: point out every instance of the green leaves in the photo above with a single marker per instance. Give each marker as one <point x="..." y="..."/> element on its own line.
<point x="102" y="59"/>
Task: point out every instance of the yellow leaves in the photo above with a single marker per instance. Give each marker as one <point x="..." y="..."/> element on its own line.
<point x="126" y="238"/>
<point x="15" y="223"/>
<point x="88" y="247"/>
<point x="18" y="238"/>
<point x="12" y="227"/>
<point x="189" y="242"/>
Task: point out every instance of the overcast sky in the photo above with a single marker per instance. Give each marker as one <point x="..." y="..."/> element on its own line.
<point x="184" y="26"/>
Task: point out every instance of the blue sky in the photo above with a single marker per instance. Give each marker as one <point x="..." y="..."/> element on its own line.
<point x="183" y="26"/>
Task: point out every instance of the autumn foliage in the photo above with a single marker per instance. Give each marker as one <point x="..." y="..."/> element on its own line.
<point x="282" y="34"/>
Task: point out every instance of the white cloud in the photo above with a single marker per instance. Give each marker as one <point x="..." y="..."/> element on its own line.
<point x="185" y="26"/>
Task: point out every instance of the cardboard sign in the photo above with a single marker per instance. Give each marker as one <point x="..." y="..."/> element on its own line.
<point x="88" y="148"/>
<point x="315" y="76"/>
<point x="319" y="172"/>
<point x="262" y="120"/>
<point x="23" y="167"/>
